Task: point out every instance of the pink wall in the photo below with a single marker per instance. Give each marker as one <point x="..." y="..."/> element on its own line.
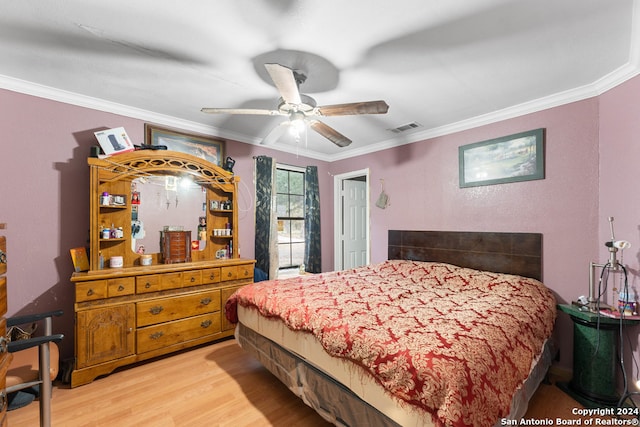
<point x="44" y="192"/>
<point x="618" y="192"/>
<point x="422" y="182"/>
<point x="44" y="197"/>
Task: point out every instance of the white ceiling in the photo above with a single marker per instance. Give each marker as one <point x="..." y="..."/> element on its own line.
<point x="446" y="65"/>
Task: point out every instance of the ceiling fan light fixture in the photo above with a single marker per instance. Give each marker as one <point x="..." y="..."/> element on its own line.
<point x="302" y="109"/>
<point x="297" y="120"/>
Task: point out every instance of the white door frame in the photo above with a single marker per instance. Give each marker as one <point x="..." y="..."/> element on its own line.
<point x="337" y="215"/>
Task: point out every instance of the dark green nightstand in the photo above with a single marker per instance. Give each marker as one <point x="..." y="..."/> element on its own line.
<point x="594" y="357"/>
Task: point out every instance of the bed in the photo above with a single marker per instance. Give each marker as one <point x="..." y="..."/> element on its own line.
<point x="452" y="330"/>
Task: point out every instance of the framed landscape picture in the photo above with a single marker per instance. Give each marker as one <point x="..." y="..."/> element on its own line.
<point x="205" y="147"/>
<point x="513" y="158"/>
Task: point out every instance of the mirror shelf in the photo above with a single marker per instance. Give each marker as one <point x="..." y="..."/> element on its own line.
<point x="214" y="230"/>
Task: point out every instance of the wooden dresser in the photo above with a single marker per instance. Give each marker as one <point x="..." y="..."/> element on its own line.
<point x="131" y="314"/>
<point x="134" y="311"/>
<point x="5" y="357"/>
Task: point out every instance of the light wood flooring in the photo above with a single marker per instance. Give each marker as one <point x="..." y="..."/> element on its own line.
<point x="214" y="385"/>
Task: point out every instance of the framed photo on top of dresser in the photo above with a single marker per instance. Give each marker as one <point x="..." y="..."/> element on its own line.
<point x="513" y="158"/>
<point x="205" y="147"/>
<point x="114" y="141"/>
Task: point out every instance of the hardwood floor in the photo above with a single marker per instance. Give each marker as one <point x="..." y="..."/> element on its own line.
<point x="215" y="385"/>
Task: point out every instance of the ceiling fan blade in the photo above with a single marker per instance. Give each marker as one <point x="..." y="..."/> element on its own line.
<point x="370" y="107"/>
<point x="285" y="82"/>
<point x="330" y="133"/>
<point x="250" y="111"/>
<point x="276" y="133"/>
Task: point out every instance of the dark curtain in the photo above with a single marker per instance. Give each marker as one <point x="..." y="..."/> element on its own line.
<point x="312" y="249"/>
<point x="264" y="197"/>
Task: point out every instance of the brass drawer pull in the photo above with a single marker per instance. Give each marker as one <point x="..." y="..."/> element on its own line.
<point x="147" y="285"/>
<point x="212" y="276"/>
<point x="90" y="292"/>
<point x="156" y="335"/>
<point x="206" y="323"/>
<point x="229" y="274"/>
<point x="156" y="309"/>
<point x="193" y="279"/>
<point x="120" y="288"/>
<point x="205" y="301"/>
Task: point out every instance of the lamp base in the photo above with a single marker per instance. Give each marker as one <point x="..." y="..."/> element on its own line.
<point x="593" y="307"/>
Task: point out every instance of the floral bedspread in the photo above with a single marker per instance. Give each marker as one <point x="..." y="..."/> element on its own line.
<point x="453" y="341"/>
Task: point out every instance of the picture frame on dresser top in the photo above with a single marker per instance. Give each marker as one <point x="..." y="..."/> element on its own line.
<point x="513" y="158"/>
<point x="206" y="147"/>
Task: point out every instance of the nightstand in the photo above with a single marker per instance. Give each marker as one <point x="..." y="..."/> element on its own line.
<point x="594" y="357"/>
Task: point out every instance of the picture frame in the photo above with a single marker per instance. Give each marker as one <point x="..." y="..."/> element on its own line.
<point x="114" y="141"/>
<point x="513" y="158"/>
<point x="205" y="147"/>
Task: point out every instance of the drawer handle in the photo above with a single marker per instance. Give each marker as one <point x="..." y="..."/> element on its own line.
<point x="193" y="279"/>
<point x="4" y="345"/>
<point x="157" y="309"/>
<point x="156" y="335"/>
<point x="229" y="274"/>
<point x="212" y="276"/>
<point x="206" y="323"/>
<point x="147" y="285"/>
<point x="120" y="288"/>
<point x="90" y="292"/>
<point x="205" y="301"/>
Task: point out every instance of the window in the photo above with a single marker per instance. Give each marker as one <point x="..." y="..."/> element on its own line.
<point x="290" y="207"/>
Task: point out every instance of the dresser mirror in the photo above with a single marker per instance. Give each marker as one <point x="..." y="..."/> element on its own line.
<point x="166" y="203"/>
<point x="151" y="192"/>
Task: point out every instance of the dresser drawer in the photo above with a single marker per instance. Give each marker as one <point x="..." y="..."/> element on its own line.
<point x="121" y="286"/>
<point x="173" y="308"/>
<point x="245" y="271"/>
<point x="228" y="273"/>
<point x="236" y="272"/>
<point x="89" y="291"/>
<point x="167" y="334"/>
<point x="210" y="275"/>
<point x="148" y="283"/>
<point x="158" y="282"/>
<point x="191" y="278"/>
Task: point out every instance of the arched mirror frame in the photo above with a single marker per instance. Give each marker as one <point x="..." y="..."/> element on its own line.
<point x="115" y="174"/>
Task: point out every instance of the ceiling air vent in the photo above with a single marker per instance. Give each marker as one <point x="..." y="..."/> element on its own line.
<point x="404" y="128"/>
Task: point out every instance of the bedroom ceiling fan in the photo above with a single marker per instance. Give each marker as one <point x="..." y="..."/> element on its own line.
<point x="302" y="109"/>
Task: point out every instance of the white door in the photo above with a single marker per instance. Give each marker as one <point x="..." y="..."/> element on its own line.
<point x="354" y="222"/>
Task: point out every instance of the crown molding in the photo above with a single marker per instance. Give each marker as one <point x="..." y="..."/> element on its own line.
<point x="613" y="79"/>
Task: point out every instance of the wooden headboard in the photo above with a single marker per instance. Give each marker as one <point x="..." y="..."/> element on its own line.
<point x="511" y="253"/>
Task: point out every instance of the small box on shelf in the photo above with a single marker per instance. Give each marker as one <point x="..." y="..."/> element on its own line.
<point x="112" y="200"/>
<point x="220" y="205"/>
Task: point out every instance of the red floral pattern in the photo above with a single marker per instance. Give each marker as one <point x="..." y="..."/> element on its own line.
<point x="453" y="341"/>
